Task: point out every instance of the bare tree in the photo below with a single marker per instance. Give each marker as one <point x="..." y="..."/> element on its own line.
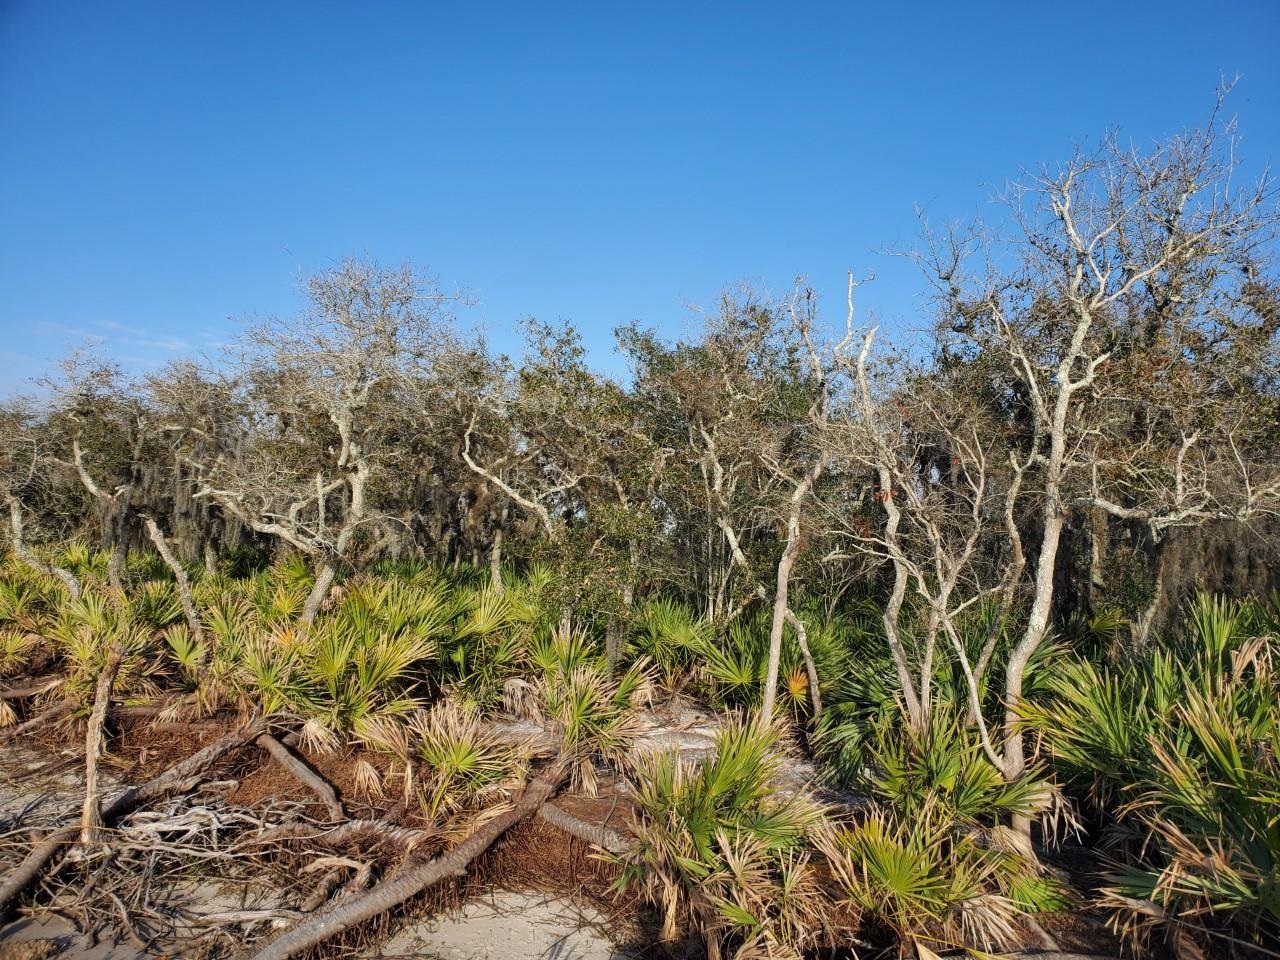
<point x="317" y="404"/>
<point x="799" y="462"/>
<point x="1124" y="354"/>
<point x="943" y="497"/>
<point x="23" y="473"/>
<point x="526" y="430"/>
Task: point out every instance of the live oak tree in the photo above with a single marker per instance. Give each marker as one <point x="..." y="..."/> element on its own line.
<point x="798" y="460"/>
<point x="25" y="482"/>
<point x="315" y="405"/>
<point x="104" y="439"/>
<point x="707" y="399"/>
<point x="741" y="409"/>
<point x="571" y="452"/>
<point x="120" y="456"/>
<point x="1122" y="358"/>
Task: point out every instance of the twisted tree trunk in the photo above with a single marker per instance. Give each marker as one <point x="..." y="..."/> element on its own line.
<point x="593" y="833"/>
<point x="324" y="580"/>
<point x="91" y="817"/>
<point x="179" y="577"/>
<point x="25" y="554"/>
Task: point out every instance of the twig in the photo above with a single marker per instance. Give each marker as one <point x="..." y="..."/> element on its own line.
<point x="180" y="777"/>
<point x="56" y="712"/>
<point x="129" y="928"/>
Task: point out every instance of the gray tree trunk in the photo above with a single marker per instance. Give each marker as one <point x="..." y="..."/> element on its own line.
<point x="324" y="580"/>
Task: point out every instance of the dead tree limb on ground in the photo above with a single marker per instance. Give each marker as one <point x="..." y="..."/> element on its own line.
<point x="298" y="769"/>
<point x="180" y="777"/>
<point x="413" y="877"/>
<point x="593" y="833"/>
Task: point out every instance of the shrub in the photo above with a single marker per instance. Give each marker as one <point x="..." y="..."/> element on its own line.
<point x="1181" y="743"/>
<point x="931" y="858"/>
<point x="593" y="713"/>
<point x="448" y="758"/>
<point x="720" y="848"/>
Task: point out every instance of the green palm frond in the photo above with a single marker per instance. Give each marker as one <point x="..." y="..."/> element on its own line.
<point x="157" y="603"/>
<point x="16" y="646"/>
<point x="923" y="879"/>
<point x="1180" y="742"/>
<point x="718" y="846"/>
<point x="674" y="638"/>
<point x="187" y="650"/>
<point x="462" y="762"/>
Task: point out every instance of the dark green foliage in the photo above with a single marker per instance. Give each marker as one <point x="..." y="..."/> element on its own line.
<point x="1180" y="743"/>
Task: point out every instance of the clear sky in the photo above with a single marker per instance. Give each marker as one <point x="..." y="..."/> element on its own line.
<point x="169" y="168"/>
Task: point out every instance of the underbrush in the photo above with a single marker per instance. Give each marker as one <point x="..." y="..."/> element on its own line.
<point x="1177" y="751"/>
<point x="443" y="693"/>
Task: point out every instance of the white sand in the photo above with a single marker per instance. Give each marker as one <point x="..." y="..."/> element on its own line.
<point x="504" y="925"/>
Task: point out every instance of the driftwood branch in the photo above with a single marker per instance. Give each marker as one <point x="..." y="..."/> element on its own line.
<point x="412" y="878"/>
<point x="56" y="712"/>
<point x="182" y="776"/>
<point x="383" y="830"/>
<point x="91" y="817"/>
<point x="299" y="770"/>
<point x="593" y="833"/>
<point x="31" y="690"/>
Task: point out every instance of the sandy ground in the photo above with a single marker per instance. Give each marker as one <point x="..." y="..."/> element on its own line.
<point x="38" y="789"/>
<point x="501" y="925"/>
<point x="52" y="936"/>
<point x="505" y="925"/>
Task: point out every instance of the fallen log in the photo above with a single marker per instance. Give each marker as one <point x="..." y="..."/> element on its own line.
<point x="182" y="776"/>
<point x="299" y="770"/>
<point x="412" y="878"/>
<point x="382" y="830"/>
<point x="56" y="712"/>
<point x="31" y="690"/>
<point x="593" y="833"/>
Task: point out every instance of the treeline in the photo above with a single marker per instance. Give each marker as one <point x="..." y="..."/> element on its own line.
<point x="1091" y="424"/>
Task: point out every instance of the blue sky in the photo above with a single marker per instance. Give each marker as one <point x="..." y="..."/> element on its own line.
<point x="169" y="168"/>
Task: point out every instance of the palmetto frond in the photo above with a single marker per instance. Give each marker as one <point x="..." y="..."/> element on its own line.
<point x="1181" y="743"/>
<point x="674" y="637"/>
<point x="593" y="714"/>
<point x="157" y="603"/>
<point x="16" y="646"/>
<point x="717" y="845"/>
<point x="462" y="762"/>
<point x="922" y="878"/>
<point x="187" y="650"/>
